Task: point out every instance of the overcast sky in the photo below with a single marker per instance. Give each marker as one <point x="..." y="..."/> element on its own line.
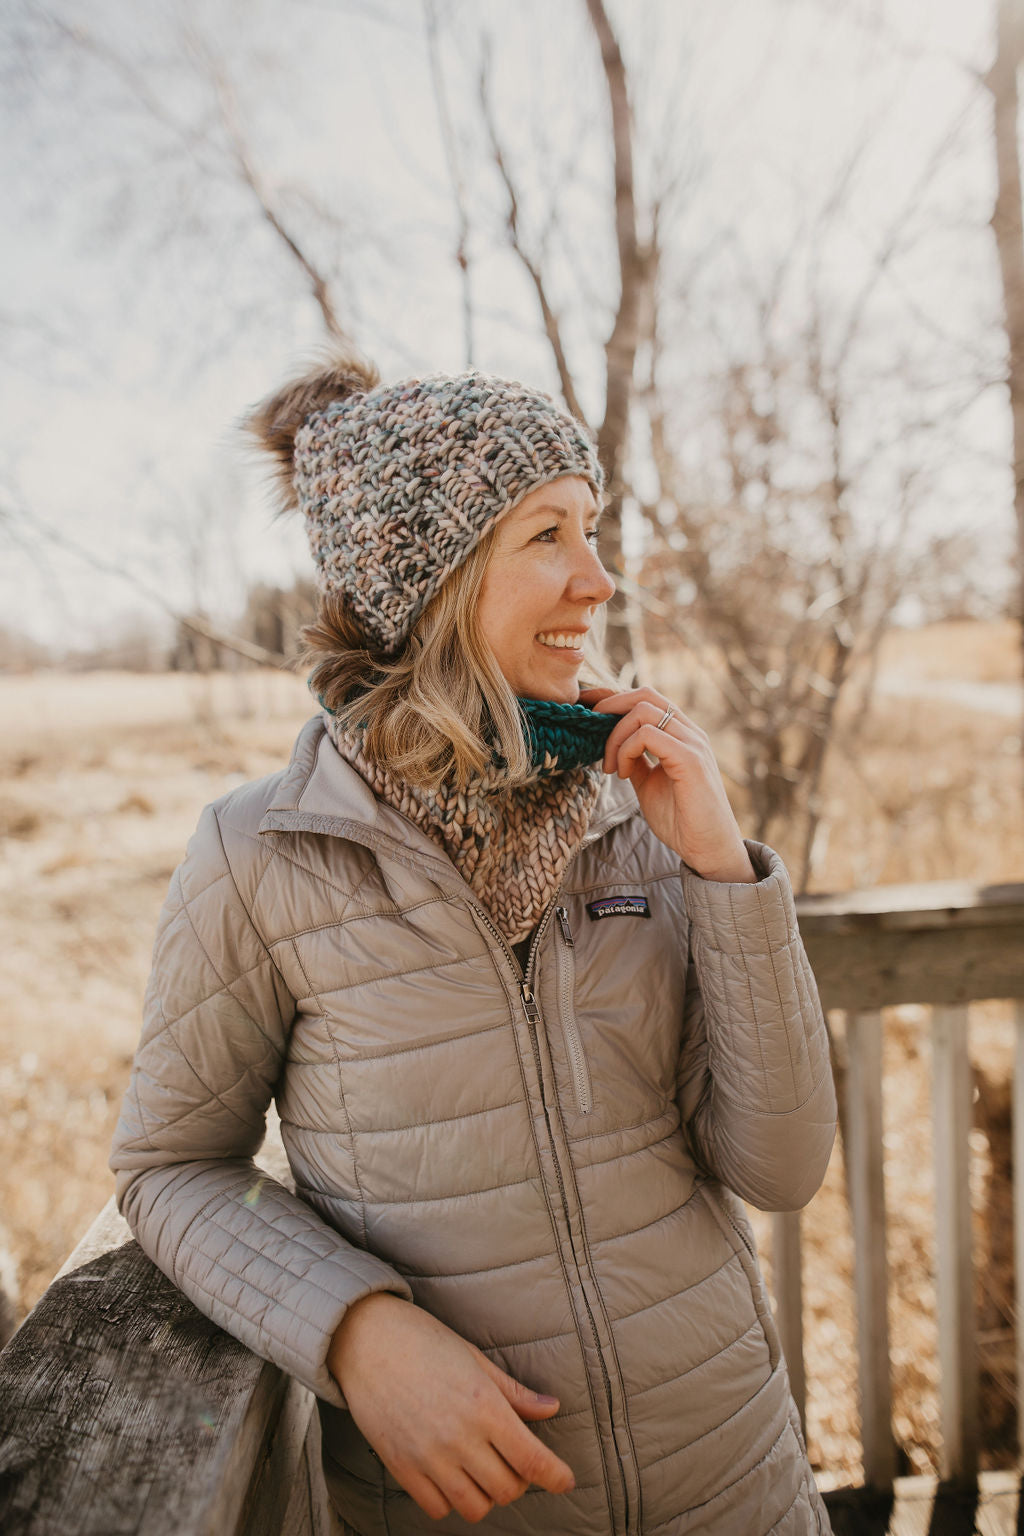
<point x="145" y="303"/>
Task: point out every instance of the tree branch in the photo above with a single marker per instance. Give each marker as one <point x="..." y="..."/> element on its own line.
<point x="454" y="171"/>
<point x="552" y="325"/>
<point x="227" y="103"/>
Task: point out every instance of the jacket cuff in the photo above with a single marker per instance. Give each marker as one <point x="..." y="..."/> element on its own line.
<point x="256" y="1260"/>
<point x="761" y="915"/>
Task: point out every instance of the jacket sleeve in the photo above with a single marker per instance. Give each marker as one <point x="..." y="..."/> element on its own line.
<point x="755" y="1081"/>
<point x="248" y="1252"/>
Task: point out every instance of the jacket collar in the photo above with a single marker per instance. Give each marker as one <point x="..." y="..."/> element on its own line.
<point x="320" y="792"/>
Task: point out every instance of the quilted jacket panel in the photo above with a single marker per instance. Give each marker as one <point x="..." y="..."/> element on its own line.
<point x="552" y="1178"/>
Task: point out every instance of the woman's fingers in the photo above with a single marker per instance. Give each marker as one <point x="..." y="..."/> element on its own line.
<point x="530" y="1459"/>
<point x="426" y="1494"/>
<point x="526" y="1456"/>
<point x="492" y="1473"/>
<point x="647" y="738"/>
<point x="607" y="701"/>
<point x="466" y="1497"/>
<point x="636" y="707"/>
<point x="671" y="764"/>
<point x="527" y="1403"/>
<point x="446" y="1422"/>
<point x="479" y="1473"/>
<point x="649" y="716"/>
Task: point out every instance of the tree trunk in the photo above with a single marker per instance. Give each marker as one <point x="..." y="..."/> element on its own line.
<point x="1008" y="229"/>
<point x="621" y="346"/>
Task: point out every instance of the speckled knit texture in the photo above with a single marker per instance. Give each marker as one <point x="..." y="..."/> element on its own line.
<point x="510" y="846"/>
<point x="399" y="484"/>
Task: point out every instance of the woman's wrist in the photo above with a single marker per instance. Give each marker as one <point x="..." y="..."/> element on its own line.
<point x="360" y="1317"/>
<point x="736" y="870"/>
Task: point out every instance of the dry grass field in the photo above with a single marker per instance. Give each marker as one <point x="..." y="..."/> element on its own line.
<point x="102" y="777"/>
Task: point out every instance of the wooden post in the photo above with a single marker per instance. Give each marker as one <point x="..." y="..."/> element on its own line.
<point x="958" y="1361"/>
<point x="1018" y="1211"/>
<point x="865" y="1176"/>
<point x="789" y="1296"/>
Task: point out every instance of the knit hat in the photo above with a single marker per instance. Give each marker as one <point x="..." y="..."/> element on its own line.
<point x="398" y="483"/>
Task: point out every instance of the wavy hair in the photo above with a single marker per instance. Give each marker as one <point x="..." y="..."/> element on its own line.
<point x="441" y="710"/>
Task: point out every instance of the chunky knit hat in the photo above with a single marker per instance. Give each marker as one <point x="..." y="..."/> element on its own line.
<point x="398" y="483"/>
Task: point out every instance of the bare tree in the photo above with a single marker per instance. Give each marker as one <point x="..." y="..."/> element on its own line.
<point x="210" y="136"/>
<point x="219" y="143"/>
<point x="803" y="615"/>
<point x="462" y="256"/>
<point x="772" y="576"/>
<point x="634" y="269"/>
<point x="1008" y="230"/>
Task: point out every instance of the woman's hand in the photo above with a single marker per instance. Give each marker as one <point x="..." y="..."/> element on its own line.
<point x="445" y="1422"/>
<point x="682" y="796"/>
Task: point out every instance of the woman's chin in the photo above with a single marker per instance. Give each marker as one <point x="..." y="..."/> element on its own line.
<point x="552" y="693"/>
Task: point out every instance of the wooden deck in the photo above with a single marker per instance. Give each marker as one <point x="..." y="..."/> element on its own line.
<point x="919" y="1506"/>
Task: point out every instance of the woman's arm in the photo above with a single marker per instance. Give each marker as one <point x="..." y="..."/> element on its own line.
<point x="755" y="1083"/>
<point x="246" y="1251"/>
<point x="447" y="1422"/>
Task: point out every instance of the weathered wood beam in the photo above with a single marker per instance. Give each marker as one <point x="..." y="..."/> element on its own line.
<point x="945" y="942"/>
<point x="124" y="1410"/>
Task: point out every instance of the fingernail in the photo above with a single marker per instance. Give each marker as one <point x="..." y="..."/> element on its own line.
<point x="548" y="1402"/>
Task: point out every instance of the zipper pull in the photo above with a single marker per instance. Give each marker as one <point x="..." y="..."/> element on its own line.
<point x="530" y="1004"/>
<point x="563" y="923"/>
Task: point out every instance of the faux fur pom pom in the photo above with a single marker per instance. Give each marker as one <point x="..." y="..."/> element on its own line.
<point x="275" y="421"/>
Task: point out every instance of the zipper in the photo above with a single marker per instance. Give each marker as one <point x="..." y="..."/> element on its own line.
<point x="355" y="831"/>
<point x="578" y="1069"/>
<point x="533" y="1018"/>
<point x="573" y="1040"/>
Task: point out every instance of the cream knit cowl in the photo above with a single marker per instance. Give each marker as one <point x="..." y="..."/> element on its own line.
<point x="510" y="846"/>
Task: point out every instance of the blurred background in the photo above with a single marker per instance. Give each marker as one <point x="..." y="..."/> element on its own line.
<point x="770" y="250"/>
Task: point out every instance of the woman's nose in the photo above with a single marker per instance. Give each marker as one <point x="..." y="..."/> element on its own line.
<point x="590" y="582"/>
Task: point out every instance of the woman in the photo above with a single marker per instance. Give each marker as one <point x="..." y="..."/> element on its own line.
<point x="534" y="1014"/>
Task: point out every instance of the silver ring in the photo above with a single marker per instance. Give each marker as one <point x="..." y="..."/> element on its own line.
<point x="669" y="714"/>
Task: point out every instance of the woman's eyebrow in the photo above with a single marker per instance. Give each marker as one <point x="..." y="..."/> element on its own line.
<point x="559" y="512"/>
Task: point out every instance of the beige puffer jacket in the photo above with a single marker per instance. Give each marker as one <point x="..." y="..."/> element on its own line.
<point x="545" y="1166"/>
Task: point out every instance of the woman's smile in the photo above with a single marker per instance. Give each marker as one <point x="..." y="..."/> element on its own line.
<point x="564" y="641"/>
<point x="544" y="558"/>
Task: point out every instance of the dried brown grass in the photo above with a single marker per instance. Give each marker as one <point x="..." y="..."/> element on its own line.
<point x="102" y="778"/>
<point x="962" y="649"/>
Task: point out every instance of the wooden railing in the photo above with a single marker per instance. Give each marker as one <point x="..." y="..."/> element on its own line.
<point x="123" y="1410"/>
<point x="946" y="945"/>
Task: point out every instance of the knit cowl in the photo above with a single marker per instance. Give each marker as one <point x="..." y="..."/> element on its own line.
<point x="510" y="845"/>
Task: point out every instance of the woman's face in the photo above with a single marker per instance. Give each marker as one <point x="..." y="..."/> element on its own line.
<point x="541" y="587"/>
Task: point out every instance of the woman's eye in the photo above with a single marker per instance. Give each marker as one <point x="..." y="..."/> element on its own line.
<point x="549" y="535"/>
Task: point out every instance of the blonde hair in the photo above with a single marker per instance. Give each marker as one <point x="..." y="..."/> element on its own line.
<point x="441" y="709"/>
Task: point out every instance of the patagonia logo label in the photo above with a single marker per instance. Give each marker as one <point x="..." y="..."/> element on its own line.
<point x="618" y="906"/>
